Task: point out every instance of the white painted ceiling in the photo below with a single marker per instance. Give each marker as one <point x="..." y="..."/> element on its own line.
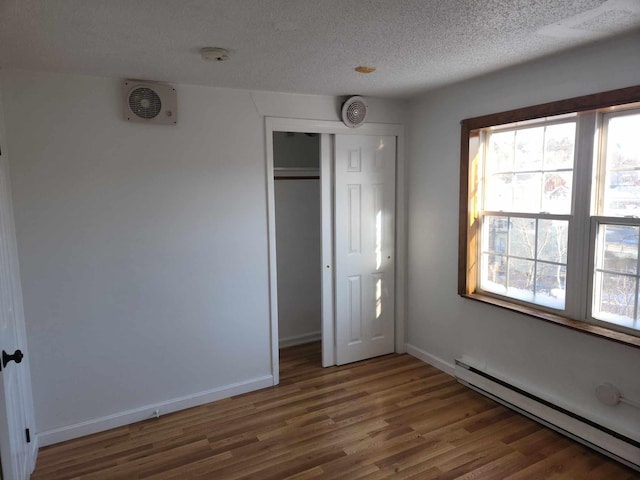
<point x="303" y="46"/>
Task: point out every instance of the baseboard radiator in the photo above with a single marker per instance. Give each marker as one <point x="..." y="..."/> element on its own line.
<point x="619" y="447"/>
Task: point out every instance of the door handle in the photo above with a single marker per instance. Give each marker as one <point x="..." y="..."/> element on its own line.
<point x="16" y="357"/>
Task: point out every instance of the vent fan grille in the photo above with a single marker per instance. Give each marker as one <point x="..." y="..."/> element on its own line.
<point x="145" y="103"/>
<point x="148" y="102"/>
<point x="354" y="111"/>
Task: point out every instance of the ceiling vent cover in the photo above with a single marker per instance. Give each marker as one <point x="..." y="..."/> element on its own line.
<point x="149" y="102"/>
<point x="354" y="112"/>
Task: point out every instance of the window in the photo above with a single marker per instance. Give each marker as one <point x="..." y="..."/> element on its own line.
<point x="550" y="217"/>
<point x="617" y="221"/>
<point x="526" y="185"/>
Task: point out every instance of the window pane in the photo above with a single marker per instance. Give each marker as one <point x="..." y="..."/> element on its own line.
<point x="530" y="169"/>
<point x="522" y="237"/>
<point x="518" y="271"/>
<point x="520" y="278"/>
<point x="622" y="193"/>
<point x="616" y="296"/>
<point x="622" y="184"/>
<point x="494" y="273"/>
<point x="623" y="142"/>
<point x="552" y="240"/>
<point x="526" y="192"/>
<point x="615" y="286"/>
<point x="500" y="151"/>
<point x="494" y="238"/>
<point x="529" y="142"/>
<point x="556" y="195"/>
<point x="498" y="192"/>
<point x="620" y="248"/>
<point x="559" y="146"/>
<point x="550" y="285"/>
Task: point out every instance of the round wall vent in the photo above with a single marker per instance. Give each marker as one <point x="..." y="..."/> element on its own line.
<point x="354" y="112"/>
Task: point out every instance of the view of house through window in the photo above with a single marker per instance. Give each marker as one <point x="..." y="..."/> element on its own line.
<point x="553" y="218"/>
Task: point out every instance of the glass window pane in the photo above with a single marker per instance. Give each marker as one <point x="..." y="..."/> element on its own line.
<point x="526" y="192"/>
<point x="494" y="237"/>
<point x="636" y="323"/>
<point x="556" y="192"/>
<point x="622" y="193"/>
<point x="550" y="285"/>
<point x="615" y="297"/>
<point x="498" y="192"/>
<point x="552" y="240"/>
<point x="620" y="248"/>
<point x="520" y="278"/>
<point x="522" y="237"/>
<point x="494" y="273"/>
<point x="623" y="142"/>
<point x="528" y="152"/>
<point x="622" y="184"/>
<point x="500" y="152"/>
<point x="559" y="146"/>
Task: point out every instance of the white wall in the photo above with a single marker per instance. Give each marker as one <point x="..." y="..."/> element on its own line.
<point x="555" y="362"/>
<point x="143" y="248"/>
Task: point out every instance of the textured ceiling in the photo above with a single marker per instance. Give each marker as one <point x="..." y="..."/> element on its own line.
<point x="304" y="46"/>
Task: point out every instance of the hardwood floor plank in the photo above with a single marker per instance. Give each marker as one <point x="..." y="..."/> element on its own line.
<point x="388" y="417"/>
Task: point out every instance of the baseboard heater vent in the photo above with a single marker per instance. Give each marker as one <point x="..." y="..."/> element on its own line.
<point x="602" y="439"/>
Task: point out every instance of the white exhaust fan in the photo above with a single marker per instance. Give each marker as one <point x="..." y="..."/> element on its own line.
<point x="149" y="102"/>
<point x="354" y="112"/>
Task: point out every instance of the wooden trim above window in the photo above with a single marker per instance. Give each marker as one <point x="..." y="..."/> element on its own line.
<point x="467" y="229"/>
<point x="572" y="105"/>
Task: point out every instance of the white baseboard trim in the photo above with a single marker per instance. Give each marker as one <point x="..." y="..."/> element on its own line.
<point x="69" y="432"/>
<point x="446" y="367"/>
<point x="299" y="339"/>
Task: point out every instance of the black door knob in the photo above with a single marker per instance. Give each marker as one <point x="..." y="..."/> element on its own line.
<point x="16" y="357"/>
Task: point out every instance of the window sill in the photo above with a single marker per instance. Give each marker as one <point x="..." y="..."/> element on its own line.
<point x="584" y="327"/>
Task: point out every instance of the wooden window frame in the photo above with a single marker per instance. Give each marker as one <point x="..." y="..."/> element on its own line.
<point x="468" y="228"/>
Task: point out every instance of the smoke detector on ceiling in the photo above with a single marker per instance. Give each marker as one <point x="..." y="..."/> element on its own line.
<point x="214" y="53"/>
<point x="354" y="112"/>
<point x="150" y="102"/>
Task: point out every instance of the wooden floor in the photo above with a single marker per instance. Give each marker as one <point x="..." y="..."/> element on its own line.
<point x="390" y="417"/>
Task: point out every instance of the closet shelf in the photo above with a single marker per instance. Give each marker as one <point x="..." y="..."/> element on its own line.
<point x="296" y="173"/>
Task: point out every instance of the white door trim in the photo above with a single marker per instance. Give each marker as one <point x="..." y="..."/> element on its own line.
<point x="328" y="265"/>
<point x="274" y="124"/>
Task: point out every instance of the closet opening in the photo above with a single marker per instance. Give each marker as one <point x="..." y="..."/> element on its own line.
<point x="296" y="167"/>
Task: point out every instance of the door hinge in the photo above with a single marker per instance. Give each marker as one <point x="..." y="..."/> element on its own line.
<point x="28" y="435"/>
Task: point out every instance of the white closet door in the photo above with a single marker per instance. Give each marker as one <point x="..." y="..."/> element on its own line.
<point x="14" y="449"/>
<point x="364" y="246"/>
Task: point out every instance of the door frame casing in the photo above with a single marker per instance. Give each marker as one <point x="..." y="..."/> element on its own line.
<point x="277" y="124"/>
